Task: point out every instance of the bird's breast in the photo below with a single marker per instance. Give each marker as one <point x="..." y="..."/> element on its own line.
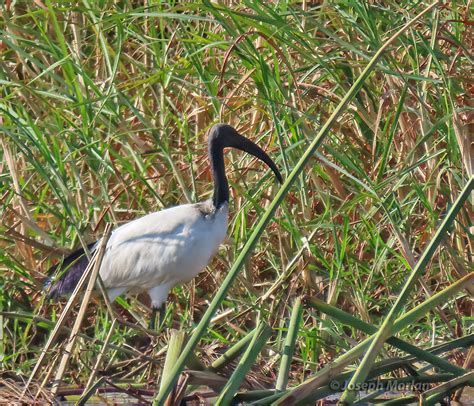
<point x="202" y="242"/>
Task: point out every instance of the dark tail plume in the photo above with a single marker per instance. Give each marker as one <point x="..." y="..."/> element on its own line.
<point x="77" y="263"/>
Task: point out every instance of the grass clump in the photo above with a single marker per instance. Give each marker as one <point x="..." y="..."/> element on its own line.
<point x="105" y="107"/>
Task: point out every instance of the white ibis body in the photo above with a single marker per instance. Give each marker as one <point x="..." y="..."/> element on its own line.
<point x="171" y="246"/>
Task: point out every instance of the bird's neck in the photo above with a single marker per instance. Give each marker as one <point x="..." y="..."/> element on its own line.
<point x="221" y="187"/>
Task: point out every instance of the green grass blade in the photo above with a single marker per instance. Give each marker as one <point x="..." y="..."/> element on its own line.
<point x="387" y="329"/>
<point x="265" y="219"/>
<point x="174" y="348"/>
<point x="323" y="376"/>
<point x="232" y="353"/>
<point x="350" y="320"/>
<point x="289" y="348"/>
<point x="259" y="339"/>
<point x="436" y="395"/>
<point x="104" y="110"/>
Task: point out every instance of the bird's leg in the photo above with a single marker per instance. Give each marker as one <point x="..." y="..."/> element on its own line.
<point x="157" y="313"/>
<point x="153" y="318"/>
<point x="158" y="295"/>
<point x="161" y="315"/>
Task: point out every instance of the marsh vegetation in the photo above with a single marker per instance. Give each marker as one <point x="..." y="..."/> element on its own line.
<point x="105" y="106"/>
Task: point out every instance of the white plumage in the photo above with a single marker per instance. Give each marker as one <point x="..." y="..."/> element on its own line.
<point x="162" y="249"/>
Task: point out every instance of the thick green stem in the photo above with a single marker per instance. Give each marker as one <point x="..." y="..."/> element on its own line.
<point x="267" y="216"/>
<point x="289" y="348"/>
<point x="388" y="327"/>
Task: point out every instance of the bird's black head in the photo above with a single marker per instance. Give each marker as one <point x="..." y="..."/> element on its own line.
<point x="224" y="135"/>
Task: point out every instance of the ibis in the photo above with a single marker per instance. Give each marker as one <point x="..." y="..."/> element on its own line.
<point x="160" y="250"/>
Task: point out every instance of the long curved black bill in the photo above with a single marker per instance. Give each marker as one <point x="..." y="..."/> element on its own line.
<point x="233" y="139"/>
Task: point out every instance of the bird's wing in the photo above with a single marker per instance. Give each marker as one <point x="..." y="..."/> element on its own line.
<point x="147" y="251"/>
<point x="131" y="250"/>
